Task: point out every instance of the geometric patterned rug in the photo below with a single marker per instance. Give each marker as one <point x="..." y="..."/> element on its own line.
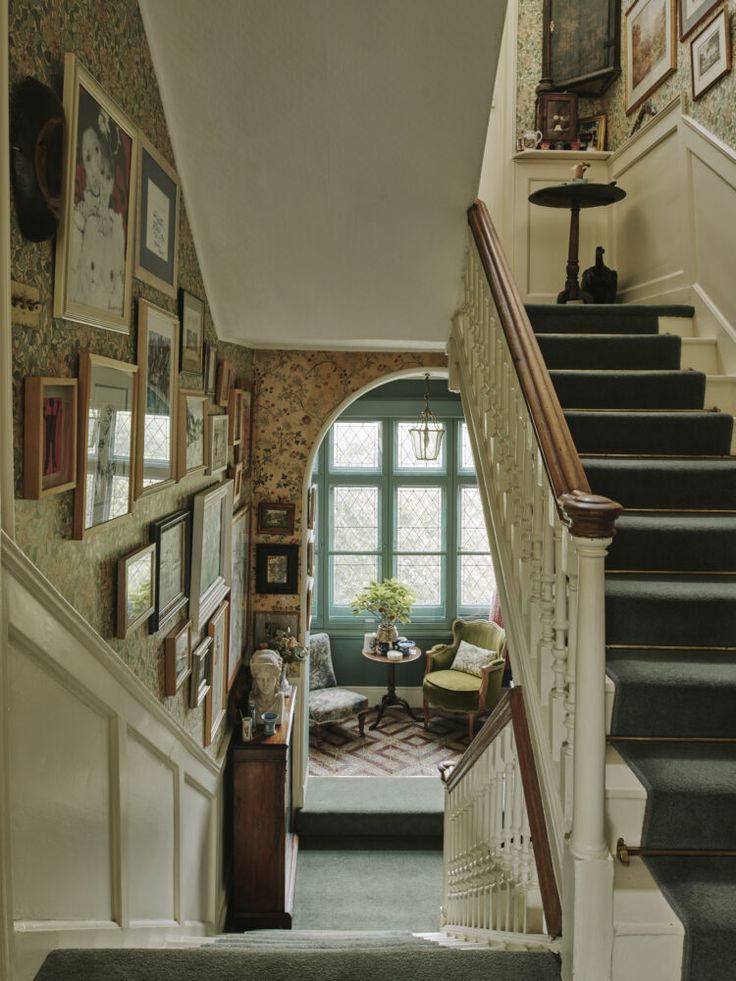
<point x="399" y="748"/>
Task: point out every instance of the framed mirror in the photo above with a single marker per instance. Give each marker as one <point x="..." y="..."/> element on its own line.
<point x="158" y="359"/>
<point x="107" y="421"/>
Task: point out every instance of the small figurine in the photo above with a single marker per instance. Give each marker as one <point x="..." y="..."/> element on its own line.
<point x="600" y="281"/>
<point x="578" y="171"/>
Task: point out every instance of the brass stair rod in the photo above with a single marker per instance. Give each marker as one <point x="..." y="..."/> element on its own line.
<point x="625" y="852"/>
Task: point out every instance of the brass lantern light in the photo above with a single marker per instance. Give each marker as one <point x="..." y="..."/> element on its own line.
<point x="427" y="434"/>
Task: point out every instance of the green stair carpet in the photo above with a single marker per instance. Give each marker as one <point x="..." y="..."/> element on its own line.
<point x="670" y="596"/>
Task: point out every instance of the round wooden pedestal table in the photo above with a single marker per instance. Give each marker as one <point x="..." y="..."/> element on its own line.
<point x="391" y="698"/>
<point x="575" y="195"/>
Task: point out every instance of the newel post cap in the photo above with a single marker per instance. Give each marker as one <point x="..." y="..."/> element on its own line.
<point x="590" y="515"/>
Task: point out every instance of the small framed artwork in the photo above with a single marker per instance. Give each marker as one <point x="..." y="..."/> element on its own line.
<point x="311" y="506"/>
<point x="310" y="555"/>
<point x="201" y="676"/>
<point x="246" y="427"/>
<point x="210" y="368"/>
<point x="651" y="50"/>
<point x="158" y="214"/>
<point x="192" y="451"/>
<point x="136" y="590"/>
<point x="235" y="415"/>
<point x="108" y="417"/>
<point x="710" y="54"/>
<point x="308" y="605"/>
<point x="369" y="643"/>
<point x="191" y="315"/>
<point x="238" y="593"/>
<point x="218" y="445"/>
<point x="177" y="658"/>
<point x="268" y="625"/>
<point x="276" y="518"/>
<point x="94" y="244"/>
<point x="224" y="382"/>
<point x="235" y="473"/>
<point x="558" y="112"/>
<point x="592" y="132"/>
<point x="212" y="535"/>
<point x="158" y="358"/>
<point x="693" y="12"/>
<point x="277" y="569"/>
<point x="172" y="537"/>
<point x="50" y="438"/>
<point x="215" y="703"/>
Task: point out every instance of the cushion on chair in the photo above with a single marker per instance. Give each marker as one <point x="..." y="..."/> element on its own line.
<point x="321" y="671"/>
<point x="335" y="704"/>
<point x="452" y="680"/>
<point x="471" y="659"/>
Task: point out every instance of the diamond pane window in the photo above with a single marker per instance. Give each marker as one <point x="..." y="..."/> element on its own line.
<point x="473" y="536"/>
<point x="350" y="574"/>
<point x="156" y="439"/>
<point x="477" y="580"/>
<point x="423" y="574"/>
<point x="355" y="519"/>
<point x="467" y="463"/>
<point x="419" y="519"/>
<point x="405" y="458"/>
<point x="122" y="435"/>
<point x="356" y="445"/>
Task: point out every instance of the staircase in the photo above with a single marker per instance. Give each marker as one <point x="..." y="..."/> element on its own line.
<point x="648" y="439"/>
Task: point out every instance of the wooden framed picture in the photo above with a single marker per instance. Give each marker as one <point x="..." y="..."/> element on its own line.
<point x="192" y="450"/>
<point x="710" y="54"/>
<point x="651" y="49"/>
<point x="172" y="537"/>
<point x="558" y="117"/>
<point x="308" y="605"/>
<point x="311" y="506"/>
<point x="224" y="382"/>
<point x="592" y="132"/>
<point x="212" y="533"/>
<point x="235" y="415"/>
<point x="136" y="590"/>
<point x="108" y="417"/>
<point x="238" y="593"/>
<point x="191" y="314"/>
<point x="210" y="368"/>
<point x="158" y="386"/>
<point x="94" y="244"/>
<point x="177" y="657"/>
<point x="50" y="436"/>
<point x="693" y="12"/>
<point x="277" y="569"/>
<point x="246" y="426"/>
<point x="215" y="701"/>
<point x="201" y="676"/>
<point x="218" y="452"/>
<point x="157" y="229"/>
<point x="275" y="518"/>
<point x="310" y="554"/>
<point x="235" y="473"/>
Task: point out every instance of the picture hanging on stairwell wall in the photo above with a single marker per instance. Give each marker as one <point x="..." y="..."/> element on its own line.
<point x="651" y="51"/>
<point x="157" y="225"/>
<point x="50" y="436"/>
<point x="710" y="54"/>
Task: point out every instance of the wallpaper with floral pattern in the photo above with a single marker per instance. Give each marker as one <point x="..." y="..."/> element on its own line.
<point x="110" y="40"/>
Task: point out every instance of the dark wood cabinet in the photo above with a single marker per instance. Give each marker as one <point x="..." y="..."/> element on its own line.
<point x="581" y="44"/>
<point x="264" y="847"/>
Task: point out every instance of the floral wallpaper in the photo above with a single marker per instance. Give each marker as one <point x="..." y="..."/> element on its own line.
<point x="110" y="40"/>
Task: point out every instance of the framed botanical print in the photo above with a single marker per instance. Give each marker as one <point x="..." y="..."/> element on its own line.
<point x="177" y="657"/>
<point x="215" y="702"/>
<point x="192" y="450"/>
<point x="191" y="314"/>
<point x="710" y="54"/>
<point x="275" y="518"/>
<point x="108" y="416"/>
<point x="238" y="593"/>
<point x="212" y="532"/>
<point x="651" y="50"/>
<point x="136" y="586"/>
<point x="201" y="676"/>
<point x="157" y="229"/>
<point x="94" y="245"/>
<point x="158" y="384"/>
<point x="50" y="436"/>
<point x="218" y="450"/>
<point x="277" y="568"/>
<point x="172" y="537"/>
<point x="693" y="12"/>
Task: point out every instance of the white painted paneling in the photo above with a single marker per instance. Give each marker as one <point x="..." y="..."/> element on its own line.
<point x="197" y="872"/>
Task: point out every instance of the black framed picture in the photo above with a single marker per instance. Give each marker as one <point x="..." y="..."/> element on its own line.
<point x="158" y="227"/>
<point x="277" y="568"/>
<point x="173" y="536"/>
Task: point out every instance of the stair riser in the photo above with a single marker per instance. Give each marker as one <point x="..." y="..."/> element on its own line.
<point x="704" y="435"/>
<point x="696" y="710"/>
<point x="700" y="821"/>
<point x="645" y="486"/>
<point x="675" y="550"/>
<point x="605" y="318"/>
<point x="569" y="352"/>
<point x="686" y="390"/>
<point x="669" y="622"/>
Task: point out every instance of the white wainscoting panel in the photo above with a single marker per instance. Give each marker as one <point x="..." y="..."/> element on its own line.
<point x="197" y="870"/>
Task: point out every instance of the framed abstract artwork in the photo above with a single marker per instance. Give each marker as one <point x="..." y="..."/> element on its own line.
<point x="172" y="537"/>
<point x="212" y="535"/>
<point x="94" y="245"/>
<point x="651" y="49"/>
<point x="157" y="227"/>
<point x="50" y="436"/>
<point x="193" y="446"/>
<point x="191" y="314"/>
<point x="158" y="387"/>
<point x="177" y="657"/>
<point x="277" y="569"/>
<point x="136" y="589"/>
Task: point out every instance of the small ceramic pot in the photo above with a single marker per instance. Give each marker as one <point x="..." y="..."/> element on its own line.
<point x="387" y="633"/>
<point x="269" y="722"/>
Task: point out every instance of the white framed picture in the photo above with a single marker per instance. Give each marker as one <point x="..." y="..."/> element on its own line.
<point x="218" y="446"/>
<point x="212" y="537"/>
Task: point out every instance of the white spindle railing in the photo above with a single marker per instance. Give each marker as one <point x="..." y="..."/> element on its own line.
<point x="549" y="537"/>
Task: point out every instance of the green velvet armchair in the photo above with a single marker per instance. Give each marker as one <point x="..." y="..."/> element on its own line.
<point x="457" y="691"/>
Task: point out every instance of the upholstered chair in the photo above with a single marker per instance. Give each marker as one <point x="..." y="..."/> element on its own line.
<point x="328" y="704"/>
<point x="465" y="680"/>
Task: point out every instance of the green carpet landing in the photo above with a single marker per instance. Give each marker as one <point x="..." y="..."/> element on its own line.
<point x="646" y="440"/>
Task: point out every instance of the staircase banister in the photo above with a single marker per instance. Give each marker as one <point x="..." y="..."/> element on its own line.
<point x="587" y="514"/>
<point x="495" y="723"/>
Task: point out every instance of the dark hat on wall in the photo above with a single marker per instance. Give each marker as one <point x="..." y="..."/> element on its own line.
<point x="37" y="146"/>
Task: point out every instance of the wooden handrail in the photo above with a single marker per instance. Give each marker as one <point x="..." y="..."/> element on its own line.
<point x="510" y="709"/>
<point x="587" y="514"/>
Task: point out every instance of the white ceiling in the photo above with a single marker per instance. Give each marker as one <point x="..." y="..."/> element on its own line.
<point x="327" y="151"/>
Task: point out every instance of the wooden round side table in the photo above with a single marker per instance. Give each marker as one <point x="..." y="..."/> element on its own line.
<point x="391" y="698"/>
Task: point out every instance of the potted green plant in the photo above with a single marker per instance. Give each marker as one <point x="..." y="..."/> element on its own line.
<point x="391" y="601"/>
